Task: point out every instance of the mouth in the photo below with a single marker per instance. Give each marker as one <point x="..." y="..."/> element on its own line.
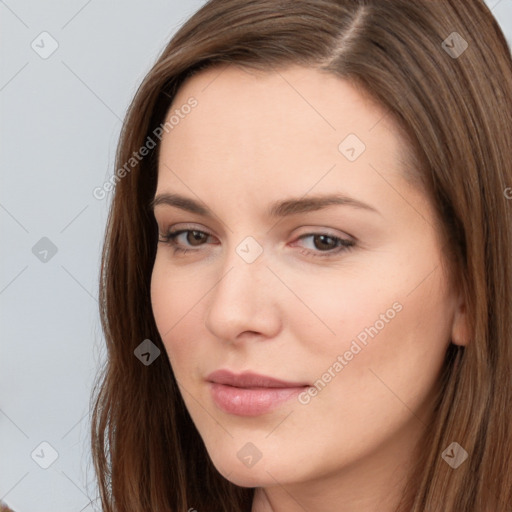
<point x="250" y="394"/>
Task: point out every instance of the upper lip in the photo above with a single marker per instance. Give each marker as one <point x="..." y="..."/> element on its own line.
<point x="250" y="380"/>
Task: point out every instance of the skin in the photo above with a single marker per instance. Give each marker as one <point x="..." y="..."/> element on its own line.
<point x="255" y="138"/>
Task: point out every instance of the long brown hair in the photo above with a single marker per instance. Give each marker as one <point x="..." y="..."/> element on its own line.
<point x="454" y="104"/>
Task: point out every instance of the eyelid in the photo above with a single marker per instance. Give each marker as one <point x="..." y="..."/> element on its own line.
<point x="318" y="230"/>
<point x="172" y="229"/>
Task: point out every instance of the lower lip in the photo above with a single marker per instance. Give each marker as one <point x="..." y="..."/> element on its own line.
<point x="250" y="402"/>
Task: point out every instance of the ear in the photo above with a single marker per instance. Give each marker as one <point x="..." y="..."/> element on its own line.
<point x="460" y="327"/>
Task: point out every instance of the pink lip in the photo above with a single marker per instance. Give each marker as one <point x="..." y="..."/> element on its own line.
<point x="250" y="394"/>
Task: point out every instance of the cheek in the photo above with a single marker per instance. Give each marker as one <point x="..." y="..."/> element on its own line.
<point x="392" y="341"/>
<point x="394" y="319"/>
<point x="379" y="310"/>
<point x="172" y="300"/>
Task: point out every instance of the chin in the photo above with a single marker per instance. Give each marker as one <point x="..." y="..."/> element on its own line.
<point x="250" y="477"/>
<point x="262" y="473"/>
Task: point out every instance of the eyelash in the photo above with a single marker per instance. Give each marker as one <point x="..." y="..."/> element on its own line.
<point x="343" y="244"/>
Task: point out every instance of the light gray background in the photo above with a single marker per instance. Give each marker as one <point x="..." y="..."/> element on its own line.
<point x="61" y="117"/>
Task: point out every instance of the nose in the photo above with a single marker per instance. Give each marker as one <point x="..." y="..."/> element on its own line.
<point x="246" y="301"/>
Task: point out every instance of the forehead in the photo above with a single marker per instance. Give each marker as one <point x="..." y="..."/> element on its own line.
<point x="230" y="97"/>
<point x="287" y="130"/>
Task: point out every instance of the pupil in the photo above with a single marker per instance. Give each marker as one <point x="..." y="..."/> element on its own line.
<point x="323" y="238"/>
<point x="197" y="236"/>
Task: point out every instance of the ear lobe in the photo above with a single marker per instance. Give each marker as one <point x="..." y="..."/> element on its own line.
<point x="460" y="327"/>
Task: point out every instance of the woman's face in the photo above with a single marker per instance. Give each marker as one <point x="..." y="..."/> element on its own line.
<point x="345" y="300"/>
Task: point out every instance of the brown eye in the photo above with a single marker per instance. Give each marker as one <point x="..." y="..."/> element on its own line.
<point x="196" y="238"/>
<point x="326" y="245"/>
<point x="324" y="242"/>
<point x="192" y="238"/>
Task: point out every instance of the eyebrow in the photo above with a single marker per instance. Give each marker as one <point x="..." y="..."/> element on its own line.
<point x="282" y="208"/>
